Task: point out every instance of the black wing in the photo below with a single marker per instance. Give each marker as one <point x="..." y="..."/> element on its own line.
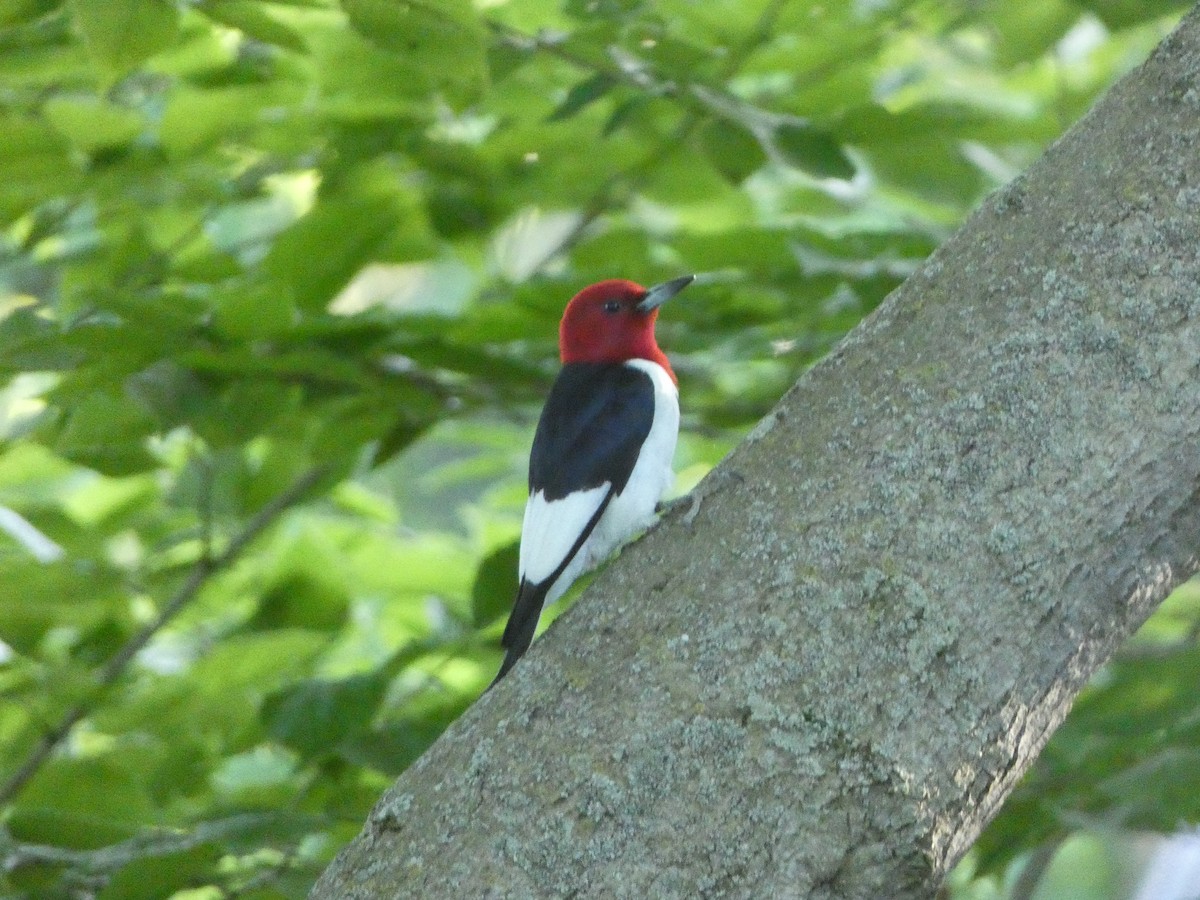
<point x="592" y="428"/>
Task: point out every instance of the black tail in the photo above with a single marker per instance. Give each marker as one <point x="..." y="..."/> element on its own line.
<point x="518" y="633"/>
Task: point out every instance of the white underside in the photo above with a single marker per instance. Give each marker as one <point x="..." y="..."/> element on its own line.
<point x="551" y="527"/>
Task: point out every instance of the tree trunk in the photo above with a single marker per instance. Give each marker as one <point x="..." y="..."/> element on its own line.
<point x="825" y="681"/>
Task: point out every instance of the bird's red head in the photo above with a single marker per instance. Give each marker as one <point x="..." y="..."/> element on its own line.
<point x="613" y="321"/>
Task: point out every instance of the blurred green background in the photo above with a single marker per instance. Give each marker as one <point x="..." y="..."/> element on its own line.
<point x="279" y="291"/>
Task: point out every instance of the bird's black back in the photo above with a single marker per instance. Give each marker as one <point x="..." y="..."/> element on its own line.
<point x="593" y="425"/>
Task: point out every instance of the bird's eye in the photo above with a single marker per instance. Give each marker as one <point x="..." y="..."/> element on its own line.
<point x="612" y="306"/>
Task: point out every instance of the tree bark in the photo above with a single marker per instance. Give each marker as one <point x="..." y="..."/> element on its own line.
<point x="825" y="682"/>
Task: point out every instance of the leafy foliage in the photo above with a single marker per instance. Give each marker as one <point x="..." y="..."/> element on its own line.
<point x="279" y="284"/>
<point x="1128" y="756"/>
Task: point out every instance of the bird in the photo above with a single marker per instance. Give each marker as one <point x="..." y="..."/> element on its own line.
<point x="602" y="451"/>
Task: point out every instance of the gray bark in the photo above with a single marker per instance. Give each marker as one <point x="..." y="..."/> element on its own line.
<point x="825" y="683"/>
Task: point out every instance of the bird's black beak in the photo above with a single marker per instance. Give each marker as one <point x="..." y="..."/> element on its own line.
<point x="661" y="293"/>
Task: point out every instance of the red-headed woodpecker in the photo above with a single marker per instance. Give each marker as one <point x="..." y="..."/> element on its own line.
<point x="601" y="456"/>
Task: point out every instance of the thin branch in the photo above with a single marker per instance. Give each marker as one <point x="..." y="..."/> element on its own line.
<point x="187" y="592"/>
<point x="207" y="513"/>
<point x="1036" y="866"/>
<point x="160" y="842"/>
<point x="698" y="101"/>
<point x="25" y="533"/>
<point x="633" y="71"/>
<point x="631" y="179"/>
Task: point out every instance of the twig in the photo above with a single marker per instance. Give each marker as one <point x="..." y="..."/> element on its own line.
<point x="636" y="175"/>
<point x="160" y="842"/>
<point x="1035" y="868"/>
<point x="20" y="529"/>
<point x="115" y="667"/>
<point x="697" y="101"/>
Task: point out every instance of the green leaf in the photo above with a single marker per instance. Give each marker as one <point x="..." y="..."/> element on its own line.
<point x="675" y="56"/>
<point x="625" y="113"/>
<point x="301" y="365"/>
<point x="40" y="597"/>
<point x="36" y="163"/>
<point x="582" y="95"/>
<point x="246" y="408"/>
<point x="394" y="746"/>
<point x="1128" y="13"/>
<point x="933" y="170"/>
<point x="68" y="827"/>
<point x="368" y="219"/>
<point x="28" y="342"/>
<point x="13" y="12"/>
<point x="246" y="664"/>
<point x="442" y="41"/>
<point x="92" y="124"/>
<point x="732" y="150"/>
<point x="314" y="599"/>
<point x="254" y="312"/>
<point x="253" y="18"/>
<point x="259" y="777"/>
<point x="360" y="84"/>
<point x="170" y="393"/>
<point x="313" y="717"/>
<point x="121" y="34"/>
<point x="80" y="803"/>
<point x="1131" y="748"/>
<point x="1159" y="792"/>
<point x="812" y="150"/>
<point x="1023" y="32"/>
<point x="30" y="475"/>
<point x="196" y="118"/>
<point x="107" y="433"/>
<point x="879" y="128"/>
<point x="590" y="10"/>
<point x="162" y="875"/>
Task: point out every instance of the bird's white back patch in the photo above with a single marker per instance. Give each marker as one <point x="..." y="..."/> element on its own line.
<point x="551" y="528"/>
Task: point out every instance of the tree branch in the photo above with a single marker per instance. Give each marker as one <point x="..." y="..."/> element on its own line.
<point x="103" y="861"/>
<point x="826" y="683"/>
<point x="187" y="592"/>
